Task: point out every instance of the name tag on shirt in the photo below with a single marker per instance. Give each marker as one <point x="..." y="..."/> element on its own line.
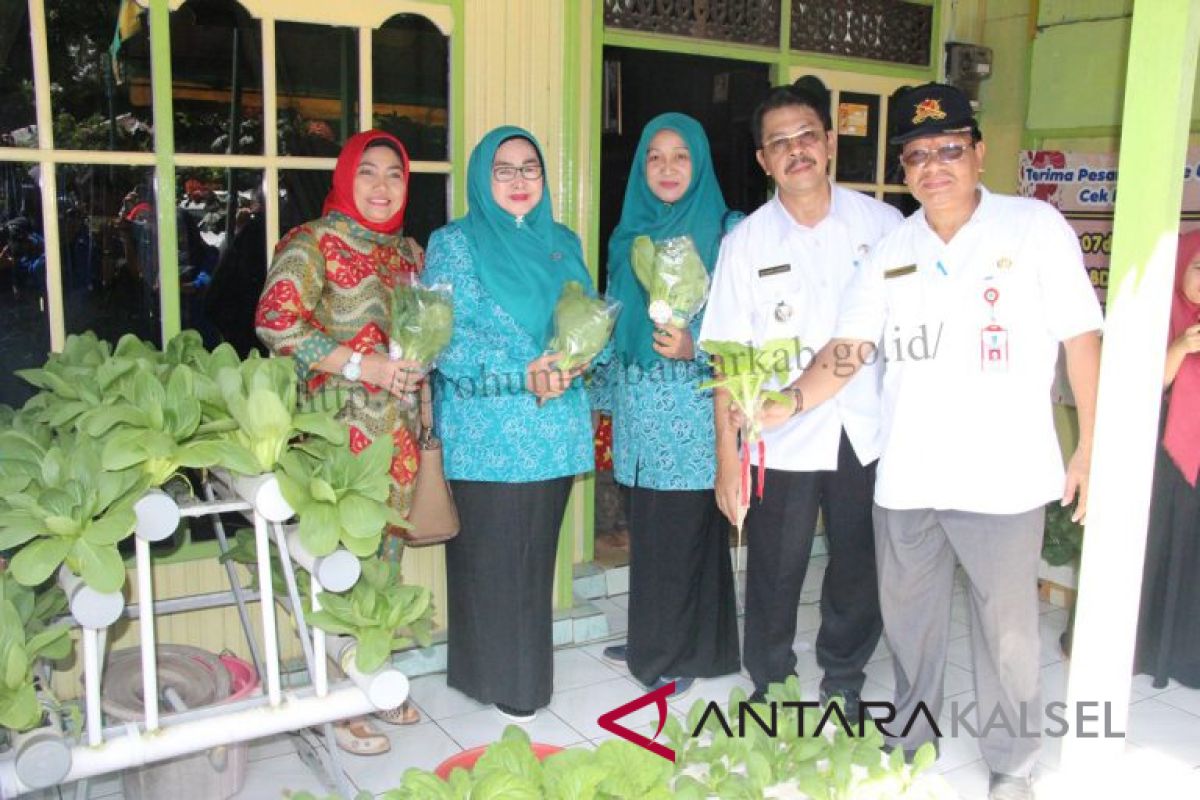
<point x="778" y="269"/>
<point x="896" y="272"/>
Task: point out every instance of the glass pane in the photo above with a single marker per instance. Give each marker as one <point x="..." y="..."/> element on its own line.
<point x="858" y="137"/>
<point x="903" y="201"/>
<point x="17" y="112"/>
<point x="100" y="76"/>
<point x="301" y="194"/>
<point x="316" y="67"/>
<point x="222" y="254"/>
<point x="109" y="259"/>
<point x="426" y="211"/>
<point x="411" y="103"/>
<point x="215" y="91"/>
<point x="24" y="324"/>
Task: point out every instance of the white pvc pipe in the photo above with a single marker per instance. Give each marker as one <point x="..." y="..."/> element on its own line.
<point x="337" y="571"/>
<point x="266" y="602"/>
<point x="91" y="686"/>
<point x="146" y="627"/>
<point x="157" y="516"/>
<point x="386" y="688"/>
<point x="91" y="609"/>
<point x="320" y="668"/>
<point x="135" y="750"/>
<point x="42" y="756"/>
<point x="262" y="491"/>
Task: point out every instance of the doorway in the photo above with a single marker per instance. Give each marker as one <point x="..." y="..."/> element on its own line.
<point x="719" y="93"/>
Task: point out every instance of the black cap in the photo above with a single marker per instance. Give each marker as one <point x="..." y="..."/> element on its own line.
<point x="931" y="110"/>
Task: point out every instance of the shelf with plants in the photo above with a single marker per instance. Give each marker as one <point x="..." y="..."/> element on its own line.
<point x="93" y="460"/>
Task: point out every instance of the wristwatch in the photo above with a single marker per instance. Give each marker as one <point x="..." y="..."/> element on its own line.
<point x="352" y="369"/>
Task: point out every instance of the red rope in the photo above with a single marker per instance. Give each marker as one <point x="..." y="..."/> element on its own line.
<point x="762" y="467"/>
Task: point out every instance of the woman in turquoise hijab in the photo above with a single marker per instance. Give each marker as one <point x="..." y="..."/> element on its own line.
<point x="515" y="431"/>
<point x="682" y="616"/>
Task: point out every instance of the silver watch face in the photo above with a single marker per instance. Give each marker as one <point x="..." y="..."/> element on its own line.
<point x="352" y="370"/>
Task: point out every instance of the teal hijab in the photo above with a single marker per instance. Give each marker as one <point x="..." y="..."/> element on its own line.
<point x="700" y="213"/>
<point x="524" y="263"/>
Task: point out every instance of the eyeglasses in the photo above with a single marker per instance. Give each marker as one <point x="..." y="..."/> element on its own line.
<point x="507" y="174"/>
<point x="945" y="154"/>
<point x="782" y="145"/>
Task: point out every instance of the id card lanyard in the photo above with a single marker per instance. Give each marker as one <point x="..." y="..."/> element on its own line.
<point x="993" y="338"/>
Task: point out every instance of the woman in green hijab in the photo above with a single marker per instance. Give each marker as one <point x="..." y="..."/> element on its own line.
<point x="682" y="616"/>
<point x="515" y="430"/>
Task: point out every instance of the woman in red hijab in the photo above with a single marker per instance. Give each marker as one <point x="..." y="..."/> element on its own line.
<point x="326" y="304"/>
<point x="1168" y="629"/>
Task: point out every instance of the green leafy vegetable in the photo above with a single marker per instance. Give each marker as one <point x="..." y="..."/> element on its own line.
<point x="745" y="370"/>
<point x="380" y="611"/>
<point x="422" y="322"/>
<point x="24" y="638"/>
<point x="582" y="325"/>
<point x="673" y="276"/>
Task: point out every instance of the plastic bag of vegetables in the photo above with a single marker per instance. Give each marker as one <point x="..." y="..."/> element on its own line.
<point x="673" y="276"/>
<point x="582" y="325"/>
<point x="422" y="322"/>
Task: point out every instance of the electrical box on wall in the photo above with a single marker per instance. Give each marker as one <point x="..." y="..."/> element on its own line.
<point x="968" y="65"/>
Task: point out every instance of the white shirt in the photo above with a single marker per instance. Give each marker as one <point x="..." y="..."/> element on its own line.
<point x="769" y="259"/>
<point x="961" y="432"/>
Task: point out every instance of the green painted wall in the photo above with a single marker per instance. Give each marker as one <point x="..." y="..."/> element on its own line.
<point x="1003" y="96"/>
<point x="1056" y="12"/>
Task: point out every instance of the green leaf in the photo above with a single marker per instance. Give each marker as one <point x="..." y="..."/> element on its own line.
<point x="100" y="566"/>
<point x="111" y="528"/>
<point x="321" y="491"/>
<point x="924" y="758"/>
<point x="320" y="423"/>
<point x="37" y="560"/>
<point x="362" y="517"/>
<point x="61" y="526"/>
<point x="374" y="647"/>
<point x="19" y="709"/>
<point x="319" y="528"/>
<point x="48" y="639"/>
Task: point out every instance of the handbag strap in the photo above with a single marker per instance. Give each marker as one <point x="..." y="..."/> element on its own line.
<point x="425" y="437"/>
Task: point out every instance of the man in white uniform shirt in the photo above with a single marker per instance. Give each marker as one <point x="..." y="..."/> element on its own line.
<point x="780" y="275"/>
<point x="970" y="456"/>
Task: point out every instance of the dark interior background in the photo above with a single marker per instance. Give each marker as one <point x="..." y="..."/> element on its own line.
<point x="721" y="94"/>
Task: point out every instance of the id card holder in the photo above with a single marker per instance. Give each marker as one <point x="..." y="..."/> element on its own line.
<point x="993" y="349"/>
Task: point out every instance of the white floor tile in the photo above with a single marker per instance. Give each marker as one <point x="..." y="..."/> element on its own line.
<point x="618" y="617"/>
<point x="959" y="629"/>
<point x="267" y="779"/>
<point x="438" y="701"/>
<point x="620" y="600"/>
<point x="1142" y="687"/>
<point x="486" y="726"/>
<point x="574" y="668"/>
<point x="808" y="618"/>
<point x="1049" y="632"/>
<point x="278" y="745"/>
<point x="959" y="653"/>
<point x="423" y="746"/>
<point x="580" y="708"/>
<point x="969" y="780"/>
<point x="712" y="689"/>
<point x="1166" y="729"/>
<point x="1182" y="698"/>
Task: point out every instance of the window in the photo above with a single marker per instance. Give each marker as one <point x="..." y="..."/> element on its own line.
<point x="257" y="122"/>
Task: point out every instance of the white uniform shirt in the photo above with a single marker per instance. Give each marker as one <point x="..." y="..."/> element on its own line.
<point x="769" y="259"/>
<point x="967" y="422"/>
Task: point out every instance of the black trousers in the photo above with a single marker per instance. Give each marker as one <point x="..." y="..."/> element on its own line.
<point x="682" y="610"/>
<point x="500" y="580"/>
<point x="779" y="533"/>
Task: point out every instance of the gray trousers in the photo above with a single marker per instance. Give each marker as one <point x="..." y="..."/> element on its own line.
<point x="916" y="551"/>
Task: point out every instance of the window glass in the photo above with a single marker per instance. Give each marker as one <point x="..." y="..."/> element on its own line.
<point x="216" y="74"/>
<point x="316" y="71"/>
<point x="17" y="112"/>
<point x="857" y="123"/>
<point x="24" y="324"/>
<point x="410" y="73"/>
<point x="100" y="75"/>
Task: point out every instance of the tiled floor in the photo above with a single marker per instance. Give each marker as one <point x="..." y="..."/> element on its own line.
<point x="1163" y="723"/>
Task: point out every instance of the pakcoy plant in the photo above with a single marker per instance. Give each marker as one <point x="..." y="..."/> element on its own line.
<point x="729" y="762"/>
<point x="582" y="325"/>
<point x="422" y="322"/>
<point x="673" y="276"/>
<point x="380" y="612"/>
<point x="74" y="510"/>
<point x="25" y="638"/>
<point x="339" y="497"/>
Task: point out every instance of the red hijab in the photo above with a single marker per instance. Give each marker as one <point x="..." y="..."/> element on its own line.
<point x="1182" y="436"/>
<point x="341" y="195"/>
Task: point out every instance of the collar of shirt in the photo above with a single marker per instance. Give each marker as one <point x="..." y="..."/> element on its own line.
<point x="984" y="211"/>
<point x="787" y="224"/>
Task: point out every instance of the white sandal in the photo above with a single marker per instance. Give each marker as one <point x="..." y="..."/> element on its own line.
<point x="359" y="737"/>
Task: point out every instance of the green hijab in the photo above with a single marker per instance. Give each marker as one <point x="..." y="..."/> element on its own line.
<point x="700" y="213"/>
<point x="522" y="264"/>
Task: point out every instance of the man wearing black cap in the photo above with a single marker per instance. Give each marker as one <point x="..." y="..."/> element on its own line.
<point x="781" y="275"/>
<point x="968" y="300"/>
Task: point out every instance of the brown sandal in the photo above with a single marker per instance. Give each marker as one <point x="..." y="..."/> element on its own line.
<point x="403" y="714"/>
<point x="359" y="737"/>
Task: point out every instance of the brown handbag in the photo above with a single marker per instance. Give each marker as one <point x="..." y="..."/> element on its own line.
<point x="433" y="517"/>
